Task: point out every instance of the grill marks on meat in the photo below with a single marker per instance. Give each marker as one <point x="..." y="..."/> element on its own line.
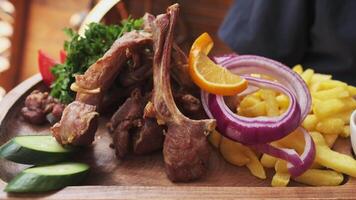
<point x="186" y="149"/>
<point x="99" y="76"/>
<point x="129" y="128"/>
<point x="40" y="108"/>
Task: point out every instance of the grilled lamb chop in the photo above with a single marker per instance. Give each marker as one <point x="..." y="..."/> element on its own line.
<point x="186" y="149"/>
<point x="92" y="86"/>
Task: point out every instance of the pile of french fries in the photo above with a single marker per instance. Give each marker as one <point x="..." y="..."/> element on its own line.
<point x="332" y="104"/>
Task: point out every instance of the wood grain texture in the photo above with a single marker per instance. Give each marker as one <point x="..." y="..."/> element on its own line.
<point x="143" y="177"/>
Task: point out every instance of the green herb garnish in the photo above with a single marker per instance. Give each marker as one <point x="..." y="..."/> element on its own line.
<point x="83" y="52"/>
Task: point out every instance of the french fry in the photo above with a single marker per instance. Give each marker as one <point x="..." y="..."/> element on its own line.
<point x="255" y="165"/>
<point x="268" y="161"/>
<point x="345" y="116"/>
<point x="271" y="103"/>
<point x="346" y="132"/>
<point x="294" y="140"/>
<point x="337" y="92"/>
<point x="298" y="69"/>
<point x="352" y="90"/>
<point x="233" y="152"/>
<point x="331" y="126"/>
<point x="332" y="84"/>
<point x="215" y="138"/>
<point x="332" y="159"/>
<point x="307" y="75"/>
<point x="317" y="78"/>
<point x="240" y="155"/>
<point x="324" y="109"/>
<point x="280" y="179"/>
<point x="330" y="139"/>
<point x="249" y="101"/>
<point x="310" y="122"/>
<point x="318" y="177"/>
<point x="258" y="109"/>
<point x="281" y="166"/>
<point x="282" y="176"/>
<point x="283" y="101"/>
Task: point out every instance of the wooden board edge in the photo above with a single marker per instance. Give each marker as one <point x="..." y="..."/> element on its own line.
<point x="184" y="192"/>
<point x="15" y="94"/>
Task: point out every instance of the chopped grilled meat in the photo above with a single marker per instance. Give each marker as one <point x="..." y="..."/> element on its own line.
<point x="128" y="126"/>
<point x="132" y="109"/>
<point x="78" y="124"/>
<point x="39" y="104"/>
<point x="94" y="83"/>
<point x="186" y="149"/>
<point x="189" y="105"/>
<point x="148" y="138"/>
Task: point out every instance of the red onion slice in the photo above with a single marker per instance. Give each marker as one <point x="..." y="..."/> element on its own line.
<point x="307" y="156"/>
<point x="249" y="64"/>
<point x="258" y="130"/>
<point x="297" y="165"/>
<point x="289" y="155"/>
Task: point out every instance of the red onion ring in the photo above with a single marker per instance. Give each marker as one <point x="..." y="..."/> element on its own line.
<point x="307" y="156"/>
<point x="259" y="130"/>
<point x="249" y="64"/>
<point x="292" y="85"/>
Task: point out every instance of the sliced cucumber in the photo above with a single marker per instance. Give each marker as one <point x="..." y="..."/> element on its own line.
<point x="34" y="150"/>
<point x="47" y="178"/>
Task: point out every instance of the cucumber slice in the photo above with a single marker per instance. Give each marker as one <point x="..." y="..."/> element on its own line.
<point x="34" y="150"/>
<point x="47" y="178"/>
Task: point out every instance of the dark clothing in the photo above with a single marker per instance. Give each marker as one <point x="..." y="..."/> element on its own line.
<point x="320" y="34"/>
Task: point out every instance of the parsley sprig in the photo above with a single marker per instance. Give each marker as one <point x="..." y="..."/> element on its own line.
<point x="83" y="52"/>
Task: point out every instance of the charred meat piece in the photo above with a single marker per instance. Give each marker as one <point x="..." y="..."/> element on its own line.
<point x="148" y="138"/>
<point x="92" y="85"/>
<point x="78" y="124"/>
<point x="129" y="128"/>
<point x="189" y="105"/>
<point x="186" y="149"/>
<point x="132" y="109"/>
<point x="38" y="105"/>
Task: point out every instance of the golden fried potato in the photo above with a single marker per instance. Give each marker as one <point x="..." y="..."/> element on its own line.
<point x="307" y="75"/>
<point x="233" y="152"/>
<point x="318" y="177"/>
<point x="330" y="126"/>
<point x="332" y="159"/>
<point x="282" y="176"/>
<point x="310" y="122"/>
<point x="268" y="161"/>
<point x="255" y="165"/>
<point x="298" y="69"/>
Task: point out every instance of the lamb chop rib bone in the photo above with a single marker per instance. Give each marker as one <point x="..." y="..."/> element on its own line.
<point x="186" y="149"/>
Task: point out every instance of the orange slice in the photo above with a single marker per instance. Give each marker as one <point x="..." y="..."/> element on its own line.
<point x="210" y="76"/>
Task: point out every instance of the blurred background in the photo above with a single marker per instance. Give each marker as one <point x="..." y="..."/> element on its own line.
<point x="29" y="25"/>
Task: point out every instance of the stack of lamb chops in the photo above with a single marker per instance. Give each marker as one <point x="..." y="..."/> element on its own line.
<point x="148" y="118"/>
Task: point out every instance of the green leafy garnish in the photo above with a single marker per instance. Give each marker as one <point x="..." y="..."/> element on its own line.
<point x="83" y="52"/>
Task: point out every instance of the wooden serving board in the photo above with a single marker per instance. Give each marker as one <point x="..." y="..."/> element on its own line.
<point x="143" y="177"/>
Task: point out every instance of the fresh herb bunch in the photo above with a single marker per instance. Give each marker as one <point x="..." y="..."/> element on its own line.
<point x="83" y="52"/>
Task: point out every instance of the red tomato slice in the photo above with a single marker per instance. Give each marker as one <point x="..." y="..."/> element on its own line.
<point x="45" y="63"/>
